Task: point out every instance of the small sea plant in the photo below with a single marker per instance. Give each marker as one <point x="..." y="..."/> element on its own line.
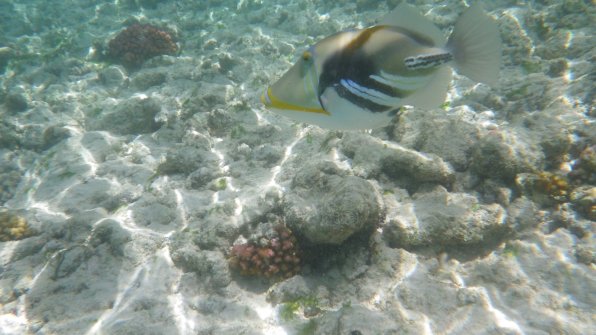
<point x="13" y="227"/>
<point x="309" y="306"/>
<point x="554" y="186"/>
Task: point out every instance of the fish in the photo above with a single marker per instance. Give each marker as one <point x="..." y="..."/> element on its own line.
<point x="361" y="78"/>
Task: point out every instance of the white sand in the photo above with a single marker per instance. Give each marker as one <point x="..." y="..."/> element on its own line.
<point x="133" y="225"/>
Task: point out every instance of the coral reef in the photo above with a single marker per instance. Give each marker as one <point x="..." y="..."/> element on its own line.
<point x="140" y="42"/>
<point x="131" y="116"/>
<point x="503" y="155"/>
<point x="584" y="200"/>
<point x="275" y="256"/>
<point x="553" y="185"/>
<point x="13" y="227"/>
<point x="417" y="227"/>
<point x="440" y="218"/>
<point x="6" y="54"/>
<point x="309" y="305"/>
<point x="584" y="168"/>
<point x="10" y="172"/>
<point x="326" y="205"/>
<point x="545" y="188"/>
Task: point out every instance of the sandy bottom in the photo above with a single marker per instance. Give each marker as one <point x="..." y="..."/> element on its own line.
<point x="122" y="191"/>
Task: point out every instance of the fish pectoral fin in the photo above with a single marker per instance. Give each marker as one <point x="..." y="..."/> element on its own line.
<point x="432" y="95"/>
<point x="407" y="17"/>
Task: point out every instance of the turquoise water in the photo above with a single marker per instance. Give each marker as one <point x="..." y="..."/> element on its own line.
<point x="144" y="187"/>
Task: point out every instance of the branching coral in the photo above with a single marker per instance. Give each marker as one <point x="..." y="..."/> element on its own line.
<point x="13" y="227"/>
<point x="140" y="42"/>
<point x="275" y="256"/>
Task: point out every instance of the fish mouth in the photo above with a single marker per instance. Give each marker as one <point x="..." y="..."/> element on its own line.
<point x="272" y="102"/>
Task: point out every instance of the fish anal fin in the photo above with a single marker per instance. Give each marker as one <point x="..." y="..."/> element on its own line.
<point x="434" y="94"/>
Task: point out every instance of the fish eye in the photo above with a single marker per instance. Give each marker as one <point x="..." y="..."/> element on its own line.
<point x="306" y="55"/>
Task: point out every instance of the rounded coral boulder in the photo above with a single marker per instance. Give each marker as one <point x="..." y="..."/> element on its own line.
<point x="140" y="42"/>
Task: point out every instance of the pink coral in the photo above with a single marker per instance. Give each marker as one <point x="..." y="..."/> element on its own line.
<point x="277" y="257"/>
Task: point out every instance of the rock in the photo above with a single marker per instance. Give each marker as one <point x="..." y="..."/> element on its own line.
<point x="69" y="260"/>
<point x="219" y="121"/>
<point x="501" y="155"/>
<point x="133" y="116"/>
<point x="141" y="324"/>
<point x="10" y="173"/>
<point x="326" y="206"/>
<point x="201" y="177"/>
<point x="6" y="54"/>
<point x="100" y="144"/>
<point x="441" y="218"/>
<point x="269" y="154"/>
<point x="584" y="200"/>
<point x="147" y="79"/>
<point x="111" y="232"/>
<point x="356" y="320"/>
<point x="288" y="290"/>
<point x="210" y="266"/>
<point x="370" y="157"/>
<point x="185" y="159"/>
<point x="585" y="254"/>
<point x="217" y="229"/>
<point x="10" y="135"/>
<point x="16" y="102"/>
<point x="522" y="214"/>
<point x="112" y="76"/>
<point x="184" y="254"/>
<point x="53" y="135"/>
<point x="87" y="195"/>
<point x="154" y="211"/>
<point x="449" y="136"/>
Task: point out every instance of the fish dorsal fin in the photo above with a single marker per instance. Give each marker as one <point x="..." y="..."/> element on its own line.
<point x="432" y="95"/>
<point x="407" y="17"/>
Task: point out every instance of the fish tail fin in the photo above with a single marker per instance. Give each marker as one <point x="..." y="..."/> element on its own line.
<point x="476" y="46"/>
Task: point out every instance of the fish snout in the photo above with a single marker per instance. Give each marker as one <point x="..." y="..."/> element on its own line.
<point x="265" y="100"/>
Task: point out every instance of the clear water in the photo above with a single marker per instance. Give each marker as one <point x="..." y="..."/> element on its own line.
<point x="125" y="182"/>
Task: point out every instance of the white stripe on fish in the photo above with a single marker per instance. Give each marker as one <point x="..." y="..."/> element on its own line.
<point x="370" y="94"/>
<point x="401" y="82"/>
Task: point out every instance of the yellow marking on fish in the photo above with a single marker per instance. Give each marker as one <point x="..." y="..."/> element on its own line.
<point x="276" y="103"/>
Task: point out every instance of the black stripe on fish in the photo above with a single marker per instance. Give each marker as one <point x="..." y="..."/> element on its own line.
<point x="427" y="61"/>
<point x="353" y="65"/>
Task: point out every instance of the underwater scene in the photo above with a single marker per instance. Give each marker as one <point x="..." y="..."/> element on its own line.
<point x="292" y="167"/>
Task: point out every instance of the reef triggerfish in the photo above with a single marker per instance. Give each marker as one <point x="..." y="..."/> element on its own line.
<point x="359" y="79"/>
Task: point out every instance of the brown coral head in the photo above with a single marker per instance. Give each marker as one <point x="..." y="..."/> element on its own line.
<point x="140" y="42"/>
<point x="556" y="187"/>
